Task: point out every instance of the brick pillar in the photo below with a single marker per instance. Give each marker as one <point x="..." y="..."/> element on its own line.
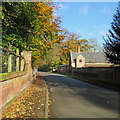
<point x="27" y="57"/>
<point x="27" y="61"/>
<point x="10" y="60"/>
<point x="17" y="60"/>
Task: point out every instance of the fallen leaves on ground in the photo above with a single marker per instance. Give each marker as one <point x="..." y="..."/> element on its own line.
<point x="30" y="104"/>
<point x="49" y="104"/>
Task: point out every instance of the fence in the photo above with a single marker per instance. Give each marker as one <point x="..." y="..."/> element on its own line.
<point x="10" y="61"/>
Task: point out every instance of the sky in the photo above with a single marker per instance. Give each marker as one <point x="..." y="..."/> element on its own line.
<point x="88" y="19"/>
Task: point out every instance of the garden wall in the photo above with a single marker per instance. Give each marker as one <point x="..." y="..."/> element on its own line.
<point x="105" y="76"/>
<point x="63" y="69"/>
<point x="16" y="82"/>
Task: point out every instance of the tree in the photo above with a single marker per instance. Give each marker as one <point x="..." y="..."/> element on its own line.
<point x="71" y="43"/>
<point x="112" y="41"/>
<point x="51" y="60"/>
<point x="48" y="32"/>
<point x="95" y="45"/>
<point x="31" y="26"/>
<point x="17" y="20"/>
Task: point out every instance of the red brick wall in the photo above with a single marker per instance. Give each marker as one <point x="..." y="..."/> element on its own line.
<point x="12" y="87"/>
<point x="107" y="75"/>
<point x="104" y="75"/>
<point x="63" y="69"/>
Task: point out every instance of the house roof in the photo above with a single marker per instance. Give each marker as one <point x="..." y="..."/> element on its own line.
<point x="90" y="57"/>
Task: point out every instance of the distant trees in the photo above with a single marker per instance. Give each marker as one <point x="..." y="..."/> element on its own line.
<point x="33" y="26"/>
<point x="112" y="41"/>
<point x="51" y="60"/>
<point x="71" y="43"/>
<point x="96" y="46"/>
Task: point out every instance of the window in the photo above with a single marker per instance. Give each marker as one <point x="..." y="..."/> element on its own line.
<point x="80" y="60"/>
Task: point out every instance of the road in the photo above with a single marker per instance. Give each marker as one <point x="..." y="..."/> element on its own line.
<point x="73" y="98"/>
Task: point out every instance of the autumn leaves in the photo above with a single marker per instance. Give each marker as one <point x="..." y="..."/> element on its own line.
<point x="30" y="104"/>
<point x="33" y="26"/>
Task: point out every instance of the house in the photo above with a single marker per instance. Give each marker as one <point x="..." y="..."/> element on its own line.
<point x="88" y="59"/>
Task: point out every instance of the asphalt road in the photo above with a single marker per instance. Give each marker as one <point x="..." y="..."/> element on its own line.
<point x="73" y="98"/>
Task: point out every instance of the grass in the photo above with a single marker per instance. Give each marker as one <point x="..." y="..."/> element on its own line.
<point x="4" y="76"/>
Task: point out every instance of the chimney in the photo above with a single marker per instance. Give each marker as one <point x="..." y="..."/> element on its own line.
<point x="78" y="49"/>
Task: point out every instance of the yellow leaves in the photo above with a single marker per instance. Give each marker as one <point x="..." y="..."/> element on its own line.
<point x="47" y="29"/>
<point x="26" y="105"/>
<point x="50" y="43"/>
<point x="40" y="42"/>
<point x="18" y="109"/>
<point x="23" y="113"/>
<point x="56" y="41"/>
<point x="30" y="107"/>
<point x="40" y="3"/>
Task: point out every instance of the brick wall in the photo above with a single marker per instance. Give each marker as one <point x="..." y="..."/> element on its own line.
<point x="109" y="76"/>
<point x="13" y="86"/>
<point x="63" y="69"/>
<point x="106" y="76"/>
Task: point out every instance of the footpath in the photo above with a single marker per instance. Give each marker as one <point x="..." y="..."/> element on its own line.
<point x="32" y="103"/>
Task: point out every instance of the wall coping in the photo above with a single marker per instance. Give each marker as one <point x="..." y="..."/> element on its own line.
<point x="11" y="75"/>
<point x="98" y="68"/>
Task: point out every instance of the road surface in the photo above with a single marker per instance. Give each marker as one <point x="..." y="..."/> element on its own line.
<point x="73" y="98"/>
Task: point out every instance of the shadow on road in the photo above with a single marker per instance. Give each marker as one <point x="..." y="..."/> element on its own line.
<point x="95" y="95"/>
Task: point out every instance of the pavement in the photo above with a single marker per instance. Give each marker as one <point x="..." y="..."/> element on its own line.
<point x="63" y="97"/>
<point x="73" y="98"/>
<point x="31" y="103"/>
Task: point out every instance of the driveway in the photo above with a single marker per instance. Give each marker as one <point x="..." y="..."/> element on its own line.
<point x="73" y="98"/>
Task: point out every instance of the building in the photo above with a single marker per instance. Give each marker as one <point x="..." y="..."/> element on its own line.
<point x="88" y="59"/>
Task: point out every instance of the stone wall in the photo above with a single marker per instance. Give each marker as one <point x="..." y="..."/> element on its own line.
<point x="17" y="82"/>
